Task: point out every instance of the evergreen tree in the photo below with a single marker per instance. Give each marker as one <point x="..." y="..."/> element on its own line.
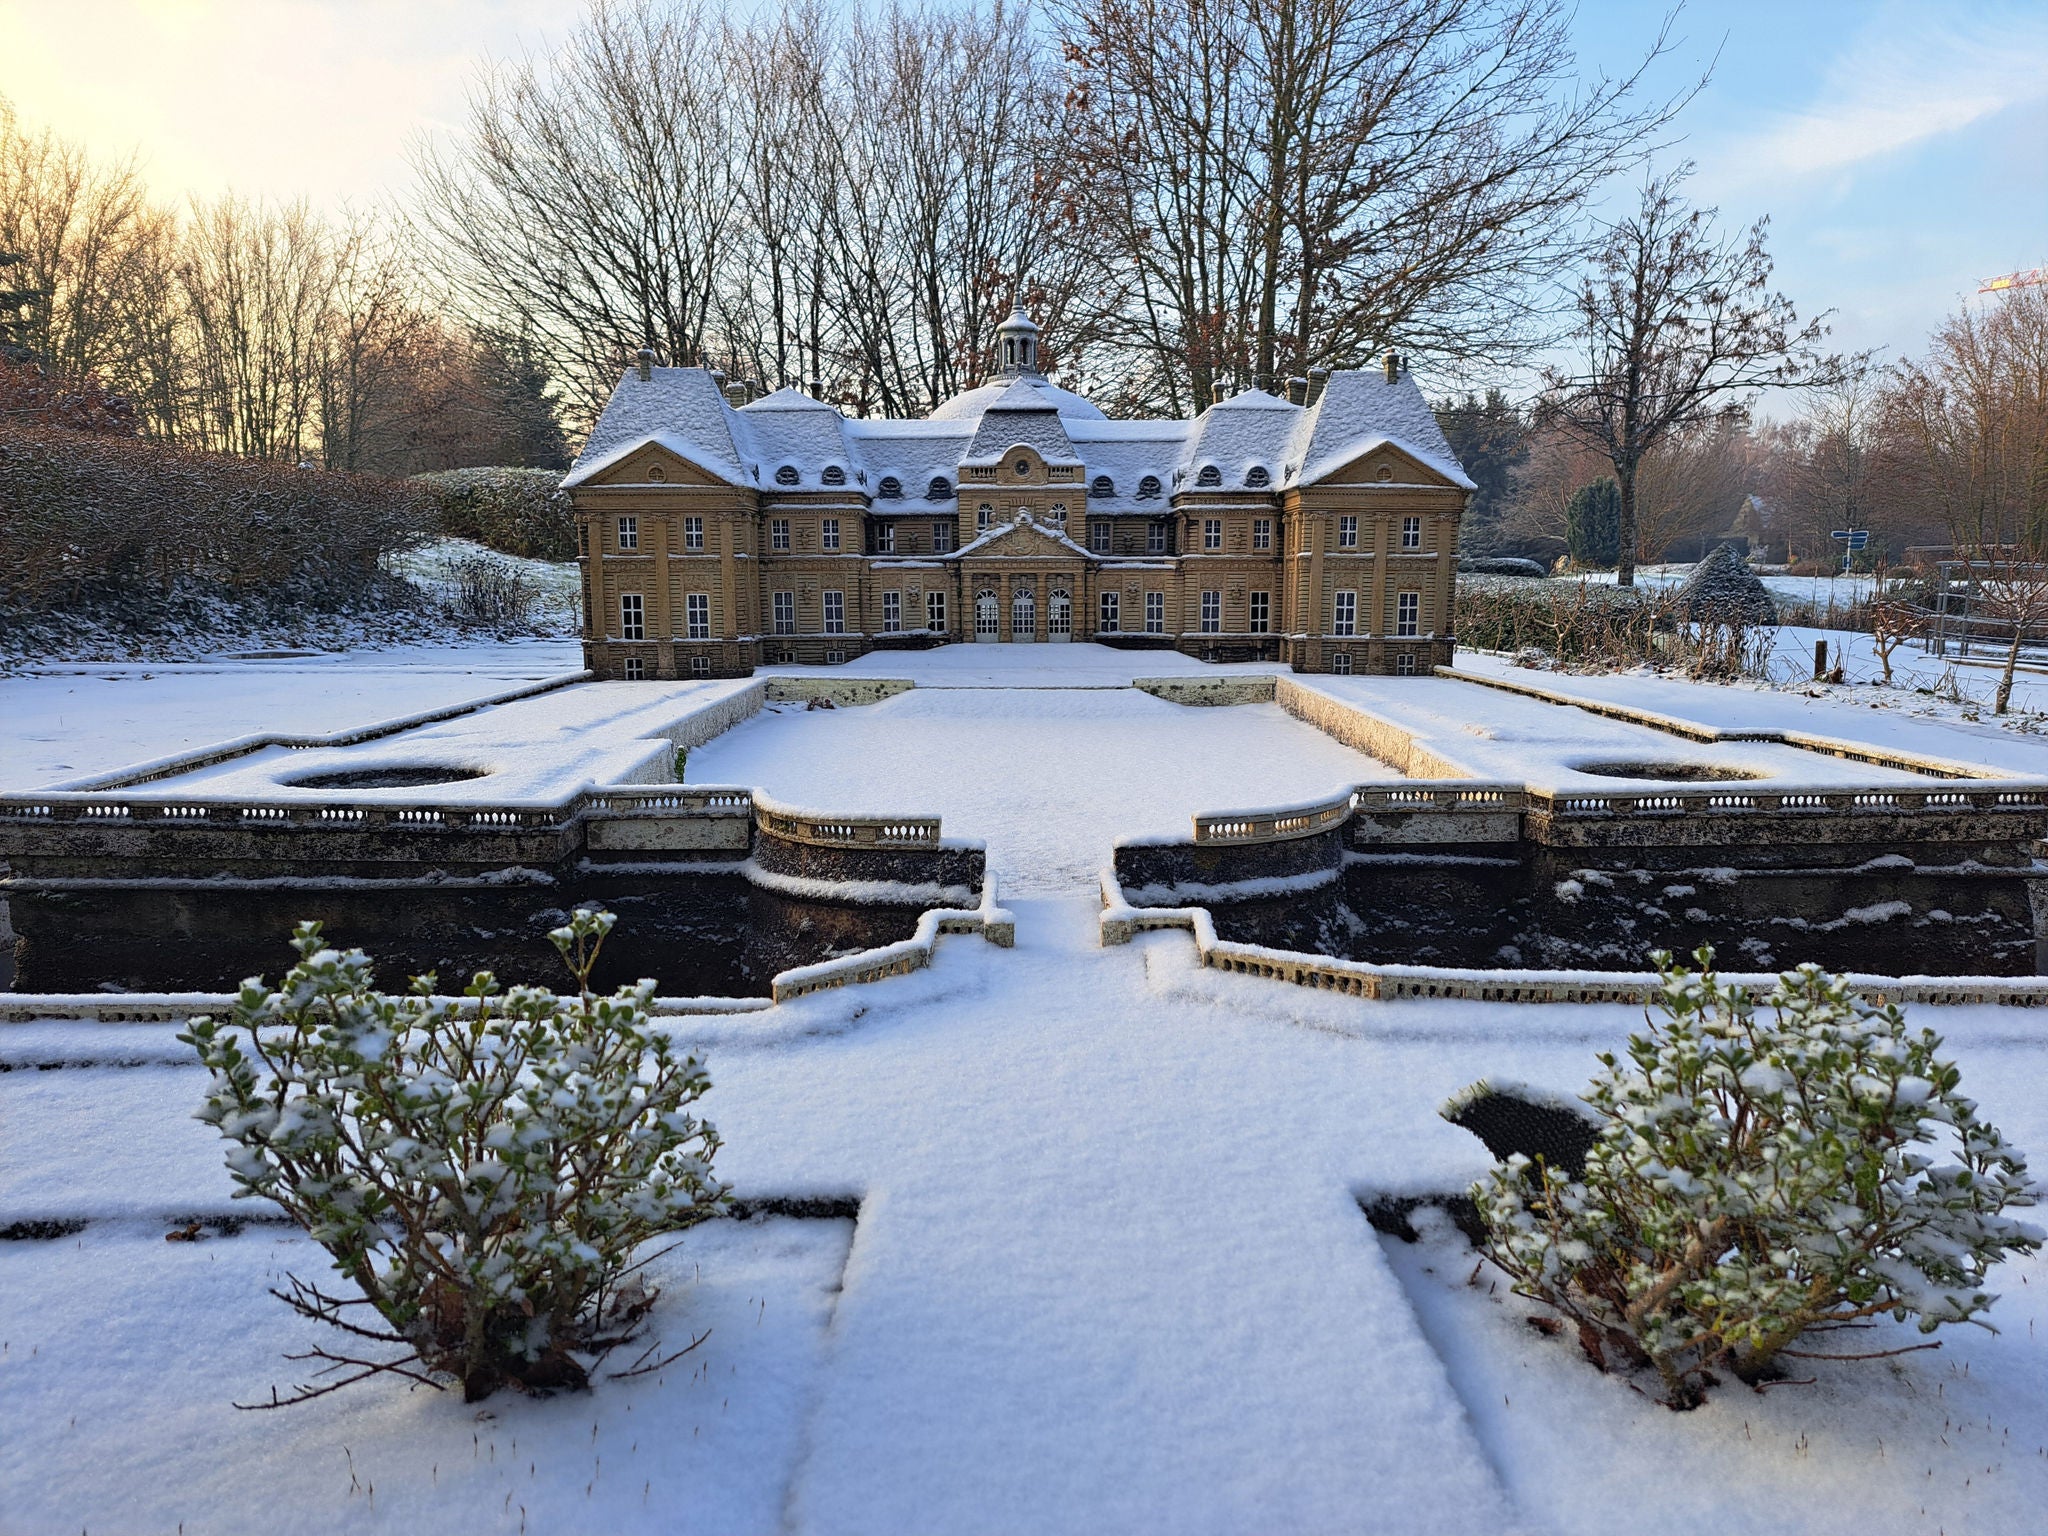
<point x="1592" y="523"/>
<point x="1491" y="439"/>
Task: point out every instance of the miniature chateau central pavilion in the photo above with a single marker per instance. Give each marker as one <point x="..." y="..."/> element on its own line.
<point x="719" y="534"/>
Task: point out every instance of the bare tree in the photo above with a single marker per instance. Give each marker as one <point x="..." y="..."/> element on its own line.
<point x="1676" y="327"/>
<point x="1296" y="182"/>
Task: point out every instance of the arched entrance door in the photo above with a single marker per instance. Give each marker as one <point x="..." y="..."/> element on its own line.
<point x="1059" y="615"/>
<point x="1024" y="614"/>
<point x="988" y="618"/>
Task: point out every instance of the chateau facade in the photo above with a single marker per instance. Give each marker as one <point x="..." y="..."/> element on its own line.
<point x="719" y="534"/>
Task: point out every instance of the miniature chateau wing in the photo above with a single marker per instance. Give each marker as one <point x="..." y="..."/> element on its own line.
<point x="719" y="536"/>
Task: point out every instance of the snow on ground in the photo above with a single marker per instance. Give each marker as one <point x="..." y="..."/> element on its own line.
<point x="557" y="585"/>
<point x="1049" y="779"/>
<point x="1078" y="665"/>
<point x="1109" y="1274"/>
<point x="534" y="751"/>
<point x="67" y="720"/>
<point x="1499" y="735"/>
<point x="1897" y="718"/>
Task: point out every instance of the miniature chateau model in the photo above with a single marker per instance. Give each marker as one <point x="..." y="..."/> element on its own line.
<point x="720" y="534"/>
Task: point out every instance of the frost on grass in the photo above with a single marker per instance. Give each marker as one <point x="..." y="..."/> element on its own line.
<point x="1761" y="1175"/>
<point x="482" y="1170"/>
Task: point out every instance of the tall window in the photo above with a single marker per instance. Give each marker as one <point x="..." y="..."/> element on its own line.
<point x="1261" y="620"/>
<point x="835" y="613"/>
<point x="1155" y="613"/>
<point x="885" y="538"/>
<point x="935" y="611"/>
<point x="1098" y="536"/>
<point x="629" y="533"/>
<point x="1347" y="614"/>
<point x="697" y="614"/>
<point x="785" y="613"/>
<point x="1108" y="625"/>
<point x="1212" y="533"/>
<point x="693" y="533"/>
<point x="1407" y="613"/>
<point x="1059" y="515"/>
<point x="942" y="538"/>
<point x="1262" y="533"/>
<point x="892" y="612"/>
<point x="983" y="516"/>
<point x="828" y="533"/>
<point x="1212" y="612"/>
<point x="1411" y="533"/>
<point x="632" y="617"/>
<point x="1347" y="533"/>
<point x="778" y="533"/>
<point x="1155" y="538"/>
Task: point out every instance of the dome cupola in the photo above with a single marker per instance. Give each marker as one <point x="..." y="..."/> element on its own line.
<point x="1016" y="346"/>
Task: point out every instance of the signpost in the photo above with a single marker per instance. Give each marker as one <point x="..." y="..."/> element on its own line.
<point x="1855" y="538"/>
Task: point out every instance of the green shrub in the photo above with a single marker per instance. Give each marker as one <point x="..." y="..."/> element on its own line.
<point x="1592" y="523"/>
<point x="517" y="511"/>
<point x="481" y="1171"/>
<point x="1760" y="1176"/>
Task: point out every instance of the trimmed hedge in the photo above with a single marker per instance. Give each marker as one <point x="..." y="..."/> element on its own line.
<point x="516" y="511"/>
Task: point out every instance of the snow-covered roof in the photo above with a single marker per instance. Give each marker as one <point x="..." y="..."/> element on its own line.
<point x="805" y="439"/>
<point x="680" y="408"/>
<point x="1358" y="412"/>
<point x="969" y="404"/>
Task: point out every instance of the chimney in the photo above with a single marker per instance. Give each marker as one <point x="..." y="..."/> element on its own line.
<point x="1297" y="390"/>
<point x="815" y="388"/>
<point x="646" y="356"/>
<point x="1221" y="392"/>
<point x="736" y="394"/>
<point x="717" y="379"/>
<point x="1318" y="380"/>
<point x="1263" y="383"/>
<point x="1393" y="364"/>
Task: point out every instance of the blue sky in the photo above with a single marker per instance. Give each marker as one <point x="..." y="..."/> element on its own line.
<point x="1900" y="146"/>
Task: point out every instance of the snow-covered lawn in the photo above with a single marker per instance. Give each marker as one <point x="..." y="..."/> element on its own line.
<point x="1049" y="778"/>
<point x="67" y="720"/>
<point x="1899" y="718"/>
<point x="1110" y="1271"/>
<point x="1110" y="1274"/>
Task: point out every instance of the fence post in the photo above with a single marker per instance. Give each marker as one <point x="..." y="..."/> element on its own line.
<point x="1820" y="660"/>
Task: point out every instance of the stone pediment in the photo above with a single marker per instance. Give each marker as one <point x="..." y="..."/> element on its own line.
<point x="1385" y="463"/>
<point x="655" y="462"/>
<point x="1024" y="539"/>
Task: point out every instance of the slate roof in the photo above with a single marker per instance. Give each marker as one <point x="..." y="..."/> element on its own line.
<point x="683" y="409"/>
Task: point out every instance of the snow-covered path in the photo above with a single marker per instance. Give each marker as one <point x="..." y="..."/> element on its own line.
<point x="1094" y="1288"/>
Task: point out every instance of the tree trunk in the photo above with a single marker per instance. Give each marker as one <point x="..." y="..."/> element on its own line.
<point x="2012" y="661"/>
<point x="1625" y="534"/>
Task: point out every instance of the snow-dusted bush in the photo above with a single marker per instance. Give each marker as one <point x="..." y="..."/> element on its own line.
<point x="481" y="1171"/>
<point x="517" y="511"/>
<point x="1762" y="1173"/>
<point x="484" y="590"/>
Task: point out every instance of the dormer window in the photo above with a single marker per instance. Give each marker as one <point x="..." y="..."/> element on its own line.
<point x="1148" y="488"/>
<point x="1102" y="485"/>
<point x="834" y="475"/>
<point x="939" y="489"/>
<point x="1209" y="476"/>
<point x="891" y="489"/>
<point x="786" y="475"/>
<point x="1257" y="478"/>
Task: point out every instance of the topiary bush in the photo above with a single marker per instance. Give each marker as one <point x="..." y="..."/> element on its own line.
<point x="482" y="1170"/>
<point x="1761" y="1174"/>
<point x="516" y="511"/>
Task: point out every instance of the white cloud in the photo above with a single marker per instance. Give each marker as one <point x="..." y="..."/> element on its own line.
<point x="1905" y="79"/>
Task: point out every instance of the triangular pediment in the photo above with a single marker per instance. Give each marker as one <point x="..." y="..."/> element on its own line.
<point x="654" y="463"/>
<point x="1026" y="539"/>
<point x="1384" y="463"/>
